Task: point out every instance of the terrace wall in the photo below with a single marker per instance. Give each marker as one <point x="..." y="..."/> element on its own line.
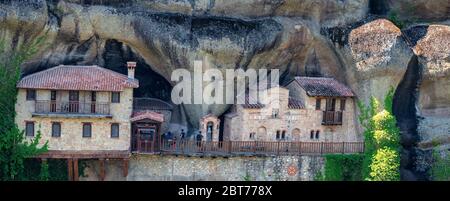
<point x="181" y="168"/>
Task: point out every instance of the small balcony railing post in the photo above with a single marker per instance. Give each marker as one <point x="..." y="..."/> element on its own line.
<point x="321" y="148"/>
<point x="278" y="148"/>
<point x="300" y="148"/>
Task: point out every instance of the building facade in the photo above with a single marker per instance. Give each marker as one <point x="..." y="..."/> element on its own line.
<point x="80" y="111"/>
<point x="77" y="108"/>
<point x="306" y="110"/>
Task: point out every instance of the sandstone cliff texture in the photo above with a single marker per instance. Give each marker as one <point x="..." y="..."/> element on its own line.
<point x="355" y="41"/>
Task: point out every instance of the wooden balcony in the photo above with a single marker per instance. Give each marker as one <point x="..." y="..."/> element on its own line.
<point x="189" y="147"/>
<point x="332" y="118"/>
<point x="72" y="108"/>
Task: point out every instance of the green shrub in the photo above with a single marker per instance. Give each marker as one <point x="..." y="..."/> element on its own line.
<point x="384" y="120"/>
<point x="44" y="174"/>
<point x="385" y="139"/>
<point x="385" y="165"/>
<point x="381" y="138"/>
<point x="319" y="176"/>
<point x="440" y="170"/>
<point x="386" y="132"/>
<point x="393" y="17"/>
<point x="343" y="167"/>
<point x="366" y="120"/>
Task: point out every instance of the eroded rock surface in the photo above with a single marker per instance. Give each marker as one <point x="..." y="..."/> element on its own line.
<point x="433" y="49"/>
<point x="378" y="57"/>
<point x="337" y="38"/>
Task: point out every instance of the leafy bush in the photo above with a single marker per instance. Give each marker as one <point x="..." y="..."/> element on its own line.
<point x="57" y="170"/>
<point x="440" y="170"/>
<point x="319" y="176"/>
<point x="386" y="132"/>
<point x="14" y="150"/>
<point x="385" y="139"/>
<point x="385" y="165"/>
<point x="343" y="167"/>
<point x="384" y="120"/>
<point x="365" y="118"/>
<point x="393" y="17"/>
<point x="381" y="139"/>
<point x="44" y="174"/>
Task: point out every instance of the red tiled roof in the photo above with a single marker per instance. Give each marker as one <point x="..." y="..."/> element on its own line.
<point x="82" y="78"/>
<point x="140" y="115"/>
<point x="292" y="104"/>
<point x="322" y="86"/>
<point x="254" y="104"/>
<point x="295" y="104"/>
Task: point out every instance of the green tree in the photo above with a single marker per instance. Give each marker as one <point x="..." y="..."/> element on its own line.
<point x="389" y="100"/>
<point x="14" y="147"/>
<point x="385" y="165"/>
<point x="366" y="121"/>
<point x="381" y="139"/>
<point x="44" y="175"/>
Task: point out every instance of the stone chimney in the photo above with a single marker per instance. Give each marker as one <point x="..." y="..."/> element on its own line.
<point x="131" y="65"/>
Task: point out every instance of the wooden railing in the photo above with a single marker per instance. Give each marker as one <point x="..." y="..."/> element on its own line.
<point x="251" y="147"/>
<point x="332" y="118"/>
<point x="145" y="146"/>
<point x="72" y="107"/>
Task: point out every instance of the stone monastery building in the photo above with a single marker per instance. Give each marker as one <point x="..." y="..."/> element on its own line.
<point x="89" y="112"/>
<point x="309" y="109"/>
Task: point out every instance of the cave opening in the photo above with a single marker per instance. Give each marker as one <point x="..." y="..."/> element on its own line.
<point x="151" y="84"/>
<point x="378" y="7"/>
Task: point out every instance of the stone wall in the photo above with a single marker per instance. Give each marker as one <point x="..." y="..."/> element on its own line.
<point x="182" y="168"/>
<point x="241" y="123"/>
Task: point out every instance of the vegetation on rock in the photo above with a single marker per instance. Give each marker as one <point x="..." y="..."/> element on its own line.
<point x="440" y="170"/>
<point x="382" y="141"/>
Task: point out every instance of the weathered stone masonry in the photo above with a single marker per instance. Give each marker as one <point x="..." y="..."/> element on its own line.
<point x="184" y="168"/>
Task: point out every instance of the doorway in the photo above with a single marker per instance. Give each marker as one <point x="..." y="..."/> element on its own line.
<point x="209" y="131"/>
<point x="146" y="137"/>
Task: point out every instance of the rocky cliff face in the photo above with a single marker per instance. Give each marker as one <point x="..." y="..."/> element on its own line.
<point x="341" y="38"/>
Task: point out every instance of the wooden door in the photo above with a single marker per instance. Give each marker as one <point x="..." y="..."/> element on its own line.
<point x="74" y="104"/>
<point x="53" y="101"/>
<point x="93" y="101"/>
<point x="209" y="131"/>
<point x="148" y="138"/>
<point x="331" y="104"/>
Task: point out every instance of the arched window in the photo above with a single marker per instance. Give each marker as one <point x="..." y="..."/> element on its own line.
<point x="261" y="134"/>
<point x="317" y="134"/>
<point x="278" y="135"/>
<point x="283" y="135"/>
<point x="252" y="136"/>
<point x="296" y="134"/>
